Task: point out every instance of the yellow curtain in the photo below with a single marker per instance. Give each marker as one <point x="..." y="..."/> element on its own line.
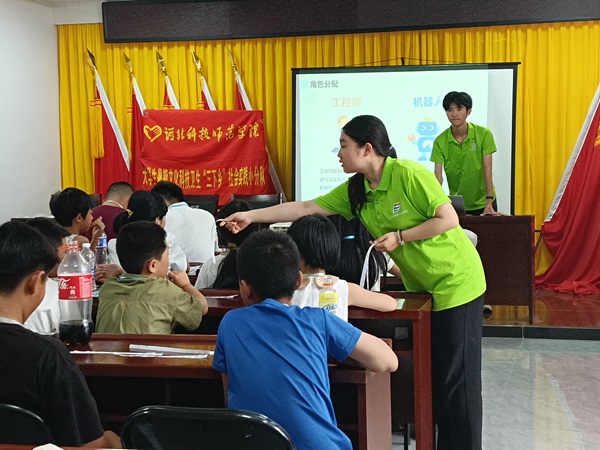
<point x="558" y="74"/>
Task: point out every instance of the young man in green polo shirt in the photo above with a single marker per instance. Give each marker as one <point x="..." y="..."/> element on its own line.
<point x="464" y="151"/>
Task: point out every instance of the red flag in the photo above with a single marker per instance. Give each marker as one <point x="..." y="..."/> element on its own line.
<point x="242" y="101"/>
<point x="571" y="230"/>
<point x="169" y="99"/>
<point x="112" y="160"/>
<point x="137" y="133"/>
<point x="206" y="97"/>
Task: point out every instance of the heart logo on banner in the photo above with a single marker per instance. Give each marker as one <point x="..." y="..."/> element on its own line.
<point x="152" y="133"/>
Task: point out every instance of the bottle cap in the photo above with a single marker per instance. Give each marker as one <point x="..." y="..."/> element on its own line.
<point x="86" y="245"/>
<point x="328" y="280"/>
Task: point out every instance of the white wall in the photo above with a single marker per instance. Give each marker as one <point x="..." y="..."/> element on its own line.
<point x="89" y="12"/>
<point x="29" y="122"/>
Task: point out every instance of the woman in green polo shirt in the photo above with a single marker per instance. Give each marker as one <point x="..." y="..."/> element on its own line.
<point x="404" y="207"/>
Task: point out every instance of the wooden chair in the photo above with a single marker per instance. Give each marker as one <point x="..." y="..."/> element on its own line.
<point x="260" y="200"/>
<point x="208" y="203"/>
<point x="170" y="427"/>
<point x="20" y="426"/>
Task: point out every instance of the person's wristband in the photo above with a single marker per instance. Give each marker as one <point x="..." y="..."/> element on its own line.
<point x="400" y="240"/>
<point x="489" y="197"/>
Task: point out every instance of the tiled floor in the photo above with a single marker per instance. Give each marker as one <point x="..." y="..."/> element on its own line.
<point x="539" y="394"/>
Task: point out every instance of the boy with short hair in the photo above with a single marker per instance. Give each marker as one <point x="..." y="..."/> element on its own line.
<point x="275" y="355"/>
<point x="115" y="202"/>
<point x="37" y="372"/>
<point x="147" y="299"/>
<point x="72" y="208"/>
<point x="46" y="317"/>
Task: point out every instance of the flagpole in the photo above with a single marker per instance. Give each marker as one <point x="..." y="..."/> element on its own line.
<point x="109" y="111"/>
<point x="240" y="85"/>
<point x="203" y="84"/>
<point x="248" y="106"/>
<point x="136" y="88"/>
<point x="170" y="91"/>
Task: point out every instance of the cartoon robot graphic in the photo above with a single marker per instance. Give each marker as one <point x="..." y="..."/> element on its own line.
<point x="427" y="131"/>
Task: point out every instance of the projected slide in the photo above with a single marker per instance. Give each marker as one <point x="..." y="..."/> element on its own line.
<point x="409" y="102"/>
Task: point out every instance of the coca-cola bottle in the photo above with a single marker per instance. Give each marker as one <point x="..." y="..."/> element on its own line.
<point x="75" y="298"/>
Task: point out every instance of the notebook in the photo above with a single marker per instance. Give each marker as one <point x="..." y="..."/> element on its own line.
<point x="459" y="204"/>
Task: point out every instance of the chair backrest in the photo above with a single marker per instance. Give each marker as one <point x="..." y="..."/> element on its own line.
<point x="208" y="203"/>
<point x="96" y="199"/>
<point x="260" y="200"/>
<point x="172" y="427"/>
<point x="459" y="204"/>
<point x="20" y="426"/>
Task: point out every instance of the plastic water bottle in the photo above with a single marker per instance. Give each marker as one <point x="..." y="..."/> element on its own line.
<point x="75" y="298"/>
<point x="90" y="258"/>
<point x="102" y="249"/>
<point x="328" y="296"/>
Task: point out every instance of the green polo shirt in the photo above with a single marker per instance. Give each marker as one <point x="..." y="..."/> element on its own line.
<point x="447" y="265"/>
<point x="145" y="305"/>
<point x="463" y="163"/>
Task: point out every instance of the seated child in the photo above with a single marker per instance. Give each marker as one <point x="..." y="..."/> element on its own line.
<point x="147" y="298"/>
<point x="46" y="317"/>
<point x="220" y="272"/>
<point x="37" y="372"/>
<point x="355" y="243"/>
<point x="275" y="355"/>
<point x="150" y="207"/>
<point x="72" y="208"/>
<point x="319" y="244"/>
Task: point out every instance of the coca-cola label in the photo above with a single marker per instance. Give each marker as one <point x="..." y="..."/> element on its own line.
<point x="75" y="287"/>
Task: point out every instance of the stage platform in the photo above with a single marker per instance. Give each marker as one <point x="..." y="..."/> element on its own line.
<point x="557" y="316"/>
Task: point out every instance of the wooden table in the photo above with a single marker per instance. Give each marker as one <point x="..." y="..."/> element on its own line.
<point x="507" y="250"/>
<point x="122" y="384"/>
<point x="409" y="328"/>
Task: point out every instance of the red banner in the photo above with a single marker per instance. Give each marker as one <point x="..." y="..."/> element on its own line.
<point x="204" y="152"/>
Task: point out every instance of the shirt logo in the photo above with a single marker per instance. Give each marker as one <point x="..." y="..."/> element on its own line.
<point x="474" y="146"/>
<point x="396" y="207"/>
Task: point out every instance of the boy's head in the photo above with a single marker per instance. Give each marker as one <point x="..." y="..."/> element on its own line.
<point x="56" y="234"/>
<point x="72" y="207"/>
<point x="171" y="192"/>
<point x="25" y="259"/>
<point x="460" y="99"/>
<point x="268" y="265"/>
<point x="120" y="191"/>
<point x="318" y="241"/>
<point x="142" y="249"/>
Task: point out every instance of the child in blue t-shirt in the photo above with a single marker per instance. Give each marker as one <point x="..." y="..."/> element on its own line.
<point x="275" y="355"/>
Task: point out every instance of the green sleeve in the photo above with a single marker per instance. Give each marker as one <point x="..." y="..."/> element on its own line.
<point x="426" y="192"/>
<point x="488" y="144"/>
<point x="436" y="154"/>
<point x="336" y="201"/>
